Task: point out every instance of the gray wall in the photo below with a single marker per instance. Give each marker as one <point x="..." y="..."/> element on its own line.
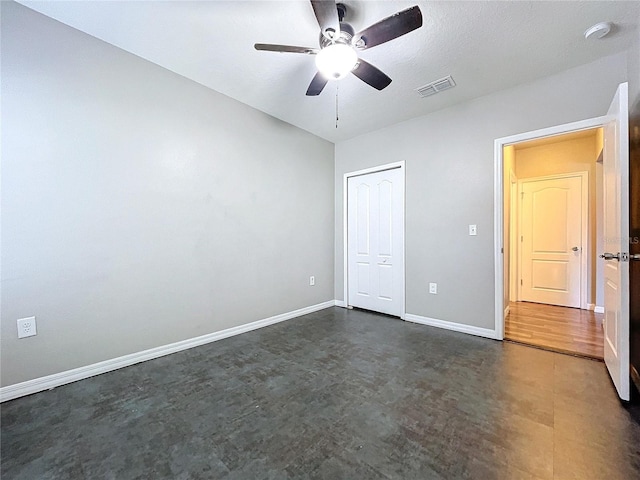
<point x="140" y="208"/>
<point x="449" y="158"/>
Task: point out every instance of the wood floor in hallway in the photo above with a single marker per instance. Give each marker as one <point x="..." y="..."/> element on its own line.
<point x="561" y="329"/>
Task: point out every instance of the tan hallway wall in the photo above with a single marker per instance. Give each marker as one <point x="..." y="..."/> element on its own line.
<point x="508" y="167"/>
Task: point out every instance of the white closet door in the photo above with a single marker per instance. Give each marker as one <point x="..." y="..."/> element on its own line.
<point x="375" y="235"/>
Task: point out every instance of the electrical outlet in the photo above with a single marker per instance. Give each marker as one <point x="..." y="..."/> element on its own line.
<point x="27" y="327"/>
<point x="473" y="230"/>
<point x="312" y="280"/>
<point x="433" y="288"/>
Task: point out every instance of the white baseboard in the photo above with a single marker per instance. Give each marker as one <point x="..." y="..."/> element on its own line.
<point x="598" y="309"/>
<point x="57" y="379"/>
<point x="341" y="303"/>
<point x="506" y="311"/>
<point x="456" y="327"/>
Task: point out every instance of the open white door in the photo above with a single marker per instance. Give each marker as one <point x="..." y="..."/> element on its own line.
<point x="616" y="241"/>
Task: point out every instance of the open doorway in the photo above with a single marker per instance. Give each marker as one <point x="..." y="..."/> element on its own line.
<point x="552" y="231"/>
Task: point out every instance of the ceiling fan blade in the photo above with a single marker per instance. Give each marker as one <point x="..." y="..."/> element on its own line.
<point x="371" y="75"/>
<point x="389" y="28"/>
<point x="327" y="15"/>
<point x="316" y="85"/>
<point x="285" y="48"/>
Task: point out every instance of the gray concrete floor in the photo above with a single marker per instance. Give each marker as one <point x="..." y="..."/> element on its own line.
<point x="337" y="394"/>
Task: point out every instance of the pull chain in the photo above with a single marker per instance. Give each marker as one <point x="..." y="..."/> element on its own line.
<point x="337" y="104"/>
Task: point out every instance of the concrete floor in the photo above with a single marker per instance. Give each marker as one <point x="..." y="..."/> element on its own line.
<point x="337" y="394"/>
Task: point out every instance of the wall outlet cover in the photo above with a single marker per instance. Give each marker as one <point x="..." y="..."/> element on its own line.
<point x="433" y="288"/>
<point x="27" y="327"/>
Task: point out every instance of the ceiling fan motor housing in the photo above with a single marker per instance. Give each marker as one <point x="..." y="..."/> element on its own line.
<point x="346" y="34"/>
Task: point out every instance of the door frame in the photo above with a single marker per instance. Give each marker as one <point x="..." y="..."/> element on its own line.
<point x="584" y="234"/>
<point x="498" y="208"/>
<point x="345" y="226"/>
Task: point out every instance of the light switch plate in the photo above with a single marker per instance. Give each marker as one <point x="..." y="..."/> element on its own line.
<point x="473" y="230"/>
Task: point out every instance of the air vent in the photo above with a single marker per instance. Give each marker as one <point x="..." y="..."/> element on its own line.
<point x="436" y="87"/>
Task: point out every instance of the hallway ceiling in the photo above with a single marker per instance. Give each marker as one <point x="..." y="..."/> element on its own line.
<point x="485" y="46"/>
<point x="564" y="137"/>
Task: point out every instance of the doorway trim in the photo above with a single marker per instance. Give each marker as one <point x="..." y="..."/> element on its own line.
<point x="498" y="206"/>
<point x="584" y="232"/>
<point x="345" y="227"/>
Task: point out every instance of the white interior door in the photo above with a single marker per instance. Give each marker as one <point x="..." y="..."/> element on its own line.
<point x="616" y="241"/>
<point x="375" y="238"/>
<point x="553" y="227"/>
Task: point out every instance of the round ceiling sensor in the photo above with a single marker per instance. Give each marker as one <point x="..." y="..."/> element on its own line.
<point x="599" y="30"/>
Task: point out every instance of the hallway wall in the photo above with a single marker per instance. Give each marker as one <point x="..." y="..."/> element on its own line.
<point x="568" y="156"/>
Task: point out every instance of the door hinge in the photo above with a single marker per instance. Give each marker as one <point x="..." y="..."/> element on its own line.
<point x="522" y="238"/>
<point x="520" y="281"/>
<point x="502" y="250"/>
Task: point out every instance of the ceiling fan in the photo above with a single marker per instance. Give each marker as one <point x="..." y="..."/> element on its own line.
<point x="337" y="55"/>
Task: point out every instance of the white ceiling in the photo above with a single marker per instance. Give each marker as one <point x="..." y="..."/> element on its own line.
<point x="485" y="45"/>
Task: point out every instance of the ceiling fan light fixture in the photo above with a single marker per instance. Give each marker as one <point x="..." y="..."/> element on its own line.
<point x="339" y="44"/>
<point x="335" y="61"/>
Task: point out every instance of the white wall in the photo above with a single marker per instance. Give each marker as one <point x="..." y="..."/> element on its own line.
<point x="449" y="158"/>
<point x="140" y="208"/>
